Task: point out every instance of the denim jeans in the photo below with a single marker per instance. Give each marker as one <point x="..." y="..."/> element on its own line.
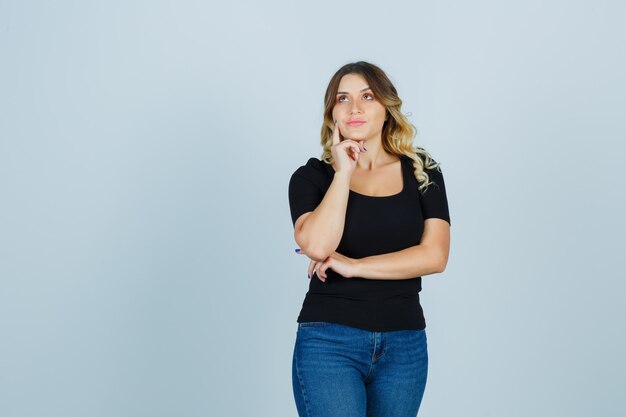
<point x="342" y="371"/>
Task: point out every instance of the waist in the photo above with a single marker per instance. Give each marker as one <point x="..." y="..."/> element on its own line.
<point x="363" y="289"/>
<point x="382" y="314"/>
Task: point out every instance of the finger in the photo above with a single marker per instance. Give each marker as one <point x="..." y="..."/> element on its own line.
<point x="353" y="148"/>
<point x="355" y="153"/>
<point x="336" y="133"/>
<point x="321" y="269"/>
<point x="313" y="269"/>
<point x="310" y="269"/>
<point x="319" y="272"/>
<point x="350" y="142"/>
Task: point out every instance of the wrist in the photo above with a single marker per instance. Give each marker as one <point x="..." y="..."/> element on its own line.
<point x="358" y="268"/>
<point x="342" y="176"/>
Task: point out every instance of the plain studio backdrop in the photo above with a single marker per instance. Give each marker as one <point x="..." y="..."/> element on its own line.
<point x="147" y="263"/>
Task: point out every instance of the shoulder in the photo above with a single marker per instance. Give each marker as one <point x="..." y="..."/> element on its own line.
<point x="313" y="166"/>
<point x="315" y="163"/>
<point x="435" y="176"/>
<point x="430" y="166"/>
<point x="315" y="170"/>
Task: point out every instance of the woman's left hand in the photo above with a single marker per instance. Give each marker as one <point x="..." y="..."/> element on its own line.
<point x="339" y="263"/>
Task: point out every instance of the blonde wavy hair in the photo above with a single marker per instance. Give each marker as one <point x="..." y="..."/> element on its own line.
<point x="398" y="132"/>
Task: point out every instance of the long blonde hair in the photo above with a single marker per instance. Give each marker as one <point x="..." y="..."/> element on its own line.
<point x="398" y="132"/>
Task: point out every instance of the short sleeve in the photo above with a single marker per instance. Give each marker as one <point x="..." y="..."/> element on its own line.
<point x="306" y="189"/>
<point x="434" y="200"/>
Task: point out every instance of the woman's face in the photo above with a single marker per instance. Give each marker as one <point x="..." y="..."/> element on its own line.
<point x="356" y="102"/>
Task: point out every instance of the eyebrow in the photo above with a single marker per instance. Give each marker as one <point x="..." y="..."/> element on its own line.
<point x="345" y="92"/>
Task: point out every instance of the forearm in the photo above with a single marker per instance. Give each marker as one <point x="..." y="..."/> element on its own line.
<point x="415" y="261"/>
<point x="321" y="231"/>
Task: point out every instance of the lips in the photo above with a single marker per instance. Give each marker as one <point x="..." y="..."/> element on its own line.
<point x="356" y="122"/>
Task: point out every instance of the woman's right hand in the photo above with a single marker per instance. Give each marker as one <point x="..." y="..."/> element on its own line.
<point x="345" y="153"/>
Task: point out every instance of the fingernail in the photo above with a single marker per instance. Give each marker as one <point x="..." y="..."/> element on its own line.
<point x="298" y="250"/>
<point x="308" y="276"/>
<point x="365" y="148"/>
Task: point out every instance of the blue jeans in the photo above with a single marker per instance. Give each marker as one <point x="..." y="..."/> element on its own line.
<point x="342" y="371"/>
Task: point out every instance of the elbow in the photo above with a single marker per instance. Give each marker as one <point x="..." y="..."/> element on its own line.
<point x="317" y="254"/>
<point x="314" y="252"/>
<point x="438" y="261"/>
<point x="442" y="263"/>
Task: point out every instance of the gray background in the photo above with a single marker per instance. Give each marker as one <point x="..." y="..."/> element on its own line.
<point x="147" y="262"/>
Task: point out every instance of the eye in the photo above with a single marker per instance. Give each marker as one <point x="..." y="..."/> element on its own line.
<point x="371" y="97"/>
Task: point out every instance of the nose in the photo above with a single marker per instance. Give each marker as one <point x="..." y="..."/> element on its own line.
<point x="354" y="109"/>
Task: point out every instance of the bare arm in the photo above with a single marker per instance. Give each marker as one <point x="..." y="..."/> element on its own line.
<point x="429" y="257"/>
<point x="319" y="232"/>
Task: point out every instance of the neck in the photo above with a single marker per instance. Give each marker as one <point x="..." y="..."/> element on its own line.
<point x="374" y="157"/>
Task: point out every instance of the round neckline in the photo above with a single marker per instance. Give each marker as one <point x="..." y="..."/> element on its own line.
<point x="380" y="196"/>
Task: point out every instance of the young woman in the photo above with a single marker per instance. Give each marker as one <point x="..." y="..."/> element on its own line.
<point x="372" y="215"/>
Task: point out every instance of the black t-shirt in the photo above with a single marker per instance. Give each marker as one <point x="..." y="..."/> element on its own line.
<point x="373" y="226"/>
